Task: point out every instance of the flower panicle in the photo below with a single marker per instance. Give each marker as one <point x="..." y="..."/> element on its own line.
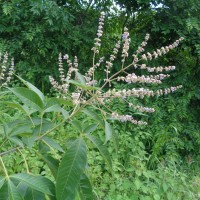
<point x="126" y="118"/>
<point x="63" y="87"/>
<point x="109" y="63"/>
<point x="103" y="96"/>
<point x="162" y="51"/>
<point x="126" y="43"/>
<point x="6" y="72"/>
<point x="97" y="40"/>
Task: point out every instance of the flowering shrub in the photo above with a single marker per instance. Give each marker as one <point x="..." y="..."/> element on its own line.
<point x="102" y="96"/>
<point x="78" y="96"/>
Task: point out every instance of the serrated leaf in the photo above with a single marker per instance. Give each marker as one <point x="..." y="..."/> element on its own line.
<point x="70" y="170"/>
<point x="53" y="144"/>
<point x="85" y="188"/>
<point x="38" y="183"/>
<point x="90" y="128"/>
<point x="28" y="97"/>
<point x="101" y="147"/>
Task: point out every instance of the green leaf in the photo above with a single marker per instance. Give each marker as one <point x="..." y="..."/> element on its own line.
<point x="77" y="125"/>
<point x="85" y="87"/>
<point x="115" y="139"/>
<point x="29" y="141"/>
<point x="4" y="192"/>
<point x="85" y="188"/>
<point x="13" y="193"/>
<point x="52" y="163"/>
<point x="38" y="183"/>
<point x="16" y="141"/>
<point x="2" y="180"/>
<point x="23" y="108"/>
<point x="102" y="149"/>
<point x="53" y="108"/>
<point x="9" y="191"/>
<point x="51" y="143"/>
<point x="93" y="115"/>
<point x="80" y="78"/>
<point x="34" y="195"/>
<point x="70" y="170"/>
<point x="28" y="97"/>
<point x="65" y="113"/>
<point x="34" y="89"/>
<point x="108" y="132"/>
<point x="138" y="184"/>
<point x="90" y="128"/>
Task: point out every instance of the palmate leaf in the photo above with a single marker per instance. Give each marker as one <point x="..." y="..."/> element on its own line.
<point x="70" y="170"/>
<point x="101" y="147"/>
<point x="38" y="183"/>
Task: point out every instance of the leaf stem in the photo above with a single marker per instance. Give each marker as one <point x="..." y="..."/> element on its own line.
<point x="4" y="168"/>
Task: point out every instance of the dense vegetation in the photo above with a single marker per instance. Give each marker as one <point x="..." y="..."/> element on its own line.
<point x="55" y="148"/>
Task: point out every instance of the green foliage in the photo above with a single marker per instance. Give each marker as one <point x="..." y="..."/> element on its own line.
<point x="51" y="150"/>
<point x="70" y="170"/>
